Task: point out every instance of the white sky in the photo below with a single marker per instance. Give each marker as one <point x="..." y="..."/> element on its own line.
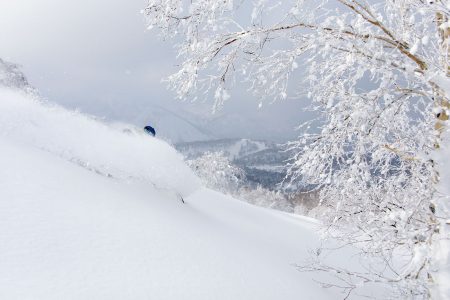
<point x="96" y="56"/>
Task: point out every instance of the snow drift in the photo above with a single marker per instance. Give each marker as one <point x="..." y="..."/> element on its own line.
<point x="126" y="155"/>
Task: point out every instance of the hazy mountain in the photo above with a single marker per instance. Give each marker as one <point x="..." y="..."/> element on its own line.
<point x="231" y="148"/>
<point x="173" y="127"/>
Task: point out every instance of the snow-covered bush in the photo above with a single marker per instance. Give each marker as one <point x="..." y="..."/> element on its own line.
<point x="263" y="197"/>
<point x="304" y="202"/>
<point x="217" y="172"/>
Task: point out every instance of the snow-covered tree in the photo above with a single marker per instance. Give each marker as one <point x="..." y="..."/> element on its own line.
<point x="217" y="172"/>
<point x="12" y="77"/>
<point x="378" y="76"/>
<point x="264" y="197"/>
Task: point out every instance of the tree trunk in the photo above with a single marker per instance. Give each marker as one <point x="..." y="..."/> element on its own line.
<point x="442" y="101"/>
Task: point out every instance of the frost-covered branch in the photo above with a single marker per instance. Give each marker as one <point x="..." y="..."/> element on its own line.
<point x="378" y="76"/>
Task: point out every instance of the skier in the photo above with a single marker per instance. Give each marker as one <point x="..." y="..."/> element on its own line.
<point x="150" y="130"/>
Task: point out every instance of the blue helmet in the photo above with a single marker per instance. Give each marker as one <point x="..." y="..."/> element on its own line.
<point x="150" y="130"/>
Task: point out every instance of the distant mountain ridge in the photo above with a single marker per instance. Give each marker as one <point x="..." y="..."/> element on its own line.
<point x="231" y="148"/>
<point x="183" y="124"/>
<point x="263" y="162"/>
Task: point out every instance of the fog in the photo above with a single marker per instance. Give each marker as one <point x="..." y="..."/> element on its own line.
<point x="96" y="56"/>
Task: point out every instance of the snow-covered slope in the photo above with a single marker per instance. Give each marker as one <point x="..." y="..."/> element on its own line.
<point x="88" y="211"/>
<point x="67" y="233"/>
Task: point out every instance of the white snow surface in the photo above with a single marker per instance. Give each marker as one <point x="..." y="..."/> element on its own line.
<point x="67" y="233"/>
<point x="90" y="212"/>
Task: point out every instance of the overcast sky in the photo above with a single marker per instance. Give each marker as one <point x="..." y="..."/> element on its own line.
<point x="98" y="57"/>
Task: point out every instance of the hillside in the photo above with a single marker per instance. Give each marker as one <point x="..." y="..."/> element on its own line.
<point x="74" y="234"/>
<point x="91" y="212"/>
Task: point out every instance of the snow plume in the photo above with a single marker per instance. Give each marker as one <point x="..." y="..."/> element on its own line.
<point x="119" y="154"/>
